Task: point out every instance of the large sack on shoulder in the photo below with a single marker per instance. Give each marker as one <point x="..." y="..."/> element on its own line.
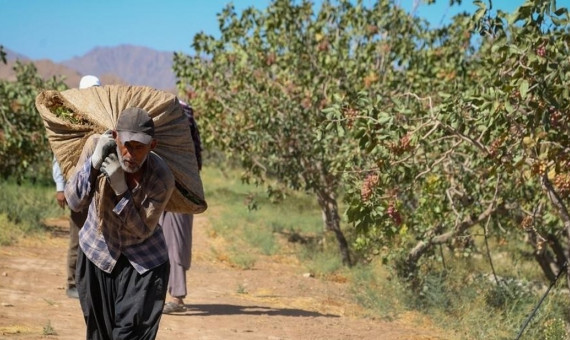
<point x="72" y="116"/>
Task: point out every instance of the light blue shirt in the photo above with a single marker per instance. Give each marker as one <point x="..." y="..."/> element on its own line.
<point x="57" y="176"/>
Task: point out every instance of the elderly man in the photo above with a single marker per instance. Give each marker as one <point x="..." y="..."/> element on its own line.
<point x="123" y="266"/>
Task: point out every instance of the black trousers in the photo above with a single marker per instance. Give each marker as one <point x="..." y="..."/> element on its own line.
<point x="123" y="305"/>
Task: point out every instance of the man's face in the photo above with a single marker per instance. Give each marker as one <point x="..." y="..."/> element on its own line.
<point x="132" y="154"/>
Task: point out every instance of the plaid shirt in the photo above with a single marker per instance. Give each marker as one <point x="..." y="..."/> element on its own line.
<point x="129" y="225"/>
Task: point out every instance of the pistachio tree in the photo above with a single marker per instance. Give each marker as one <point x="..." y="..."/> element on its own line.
<point x="477" y="139"/>
<point x="428" y="134"/>
<point x="260" y="87"/>
<point x="24" y="149"/>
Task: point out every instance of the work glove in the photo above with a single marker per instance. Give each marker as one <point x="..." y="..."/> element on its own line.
<point x="111" y="167"/>
<point x="105" y="145"/>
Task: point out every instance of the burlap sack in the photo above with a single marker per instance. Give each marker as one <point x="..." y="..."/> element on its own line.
<point x="72" y="116"/>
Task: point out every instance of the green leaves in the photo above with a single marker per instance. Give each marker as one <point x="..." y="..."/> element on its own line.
<point x="24" y="150"/>
<point x="481" y="11"/>
<point x="372" y="103"/>
<point x="523" y="89"/>
<point x="2" y="54"/>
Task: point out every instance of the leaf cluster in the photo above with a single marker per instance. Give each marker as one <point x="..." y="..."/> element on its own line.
<point x="24" y="150"/>
<point x="484" y="126"/>
<point x="426" y="132"/>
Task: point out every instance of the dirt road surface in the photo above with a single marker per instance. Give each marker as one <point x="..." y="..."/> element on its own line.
<point x="272" y="301"/>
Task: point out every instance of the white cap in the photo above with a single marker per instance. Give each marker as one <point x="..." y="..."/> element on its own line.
<point x="88" y="81"/>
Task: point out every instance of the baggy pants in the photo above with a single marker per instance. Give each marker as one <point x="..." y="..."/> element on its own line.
<point x="122" y="305"/>
<point x="177" y="230"/>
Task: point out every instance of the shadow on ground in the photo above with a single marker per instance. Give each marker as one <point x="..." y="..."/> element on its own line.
<point x="222" y="309"/>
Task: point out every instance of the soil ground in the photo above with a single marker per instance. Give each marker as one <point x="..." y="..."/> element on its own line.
<point x="272" y="301"/>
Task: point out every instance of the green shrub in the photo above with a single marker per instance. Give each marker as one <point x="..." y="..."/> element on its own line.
<point x="23" y="208"/>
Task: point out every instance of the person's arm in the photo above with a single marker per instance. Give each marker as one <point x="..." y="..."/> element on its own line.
<point x="57" y="176"/>
<point x="59" y="183"/>
<point x="78" y="190"/>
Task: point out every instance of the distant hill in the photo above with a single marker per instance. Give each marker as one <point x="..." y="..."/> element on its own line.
<point x="136" y="65"/>
<point x="11" y="55"/>
<point x="47" y="69"/>
<point x="124" y="64"/>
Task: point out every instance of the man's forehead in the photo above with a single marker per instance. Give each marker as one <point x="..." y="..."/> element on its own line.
<point x="134" y="144"/>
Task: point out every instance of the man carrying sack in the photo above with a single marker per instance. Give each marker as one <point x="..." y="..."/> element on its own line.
<point x="123" y="266"/>
<point x="72" y="116"/>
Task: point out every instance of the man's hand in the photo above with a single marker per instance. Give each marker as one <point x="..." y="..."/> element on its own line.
<point x="111" y="167"/>
<point x="60" y="197"/>
<point x="105" y="145"/>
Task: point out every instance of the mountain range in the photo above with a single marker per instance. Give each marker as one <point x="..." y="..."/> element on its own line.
<point x="123" y="64"/>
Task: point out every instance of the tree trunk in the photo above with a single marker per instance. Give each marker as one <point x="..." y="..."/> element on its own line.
<point x="545" y="262"/>
<point x="331" y="220"/>
<point x="551" y="264"/>
<point x="434" y="237"/>
<point x="558" y="250"/>
<point x="564" y="215"/>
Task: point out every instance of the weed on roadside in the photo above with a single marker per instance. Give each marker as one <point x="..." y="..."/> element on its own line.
<point x="49" y="302"/>
<point x="241" y="289"/>
<point x="241" y="259"/>
<point x="48" y="329"/>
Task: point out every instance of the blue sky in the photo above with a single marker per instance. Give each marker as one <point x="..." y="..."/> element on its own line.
<point x="62" y="29"/>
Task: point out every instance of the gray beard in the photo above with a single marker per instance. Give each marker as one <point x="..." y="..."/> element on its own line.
<point x="127" y="168"/>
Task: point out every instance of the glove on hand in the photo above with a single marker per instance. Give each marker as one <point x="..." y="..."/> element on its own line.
<point x="105" y="145"/>
<point x="111" y="167"/>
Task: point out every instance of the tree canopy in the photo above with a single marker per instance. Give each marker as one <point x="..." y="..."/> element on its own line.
<point x="425" y="133"/>
<point x="24" y="150"/>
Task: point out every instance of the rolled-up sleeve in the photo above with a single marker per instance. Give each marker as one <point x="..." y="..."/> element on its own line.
<point x="78" y="189"/>
<point x="57" y="176"/>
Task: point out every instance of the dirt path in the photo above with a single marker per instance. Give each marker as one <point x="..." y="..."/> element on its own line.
<point x="273" y="301"/>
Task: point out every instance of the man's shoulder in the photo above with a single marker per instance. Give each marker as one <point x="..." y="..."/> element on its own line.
<point x="160" y="168"/>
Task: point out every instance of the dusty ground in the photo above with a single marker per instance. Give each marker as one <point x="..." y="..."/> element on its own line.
<point x="272" y="301"/>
